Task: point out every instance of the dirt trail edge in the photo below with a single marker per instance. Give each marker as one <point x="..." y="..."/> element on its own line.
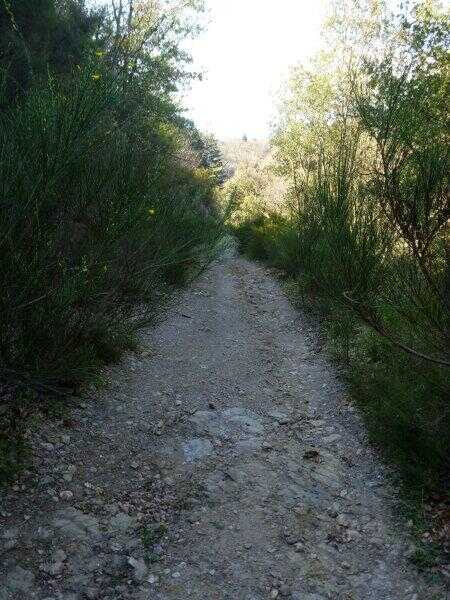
<point x="224" y="463"/>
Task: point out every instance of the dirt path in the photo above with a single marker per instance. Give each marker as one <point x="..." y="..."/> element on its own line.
<point x="234" y="432"/>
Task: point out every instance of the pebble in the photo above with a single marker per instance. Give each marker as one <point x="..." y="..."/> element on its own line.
<point x="331" y="439"/>
<point x="342" y="521"/>
<point x="47" y="446"/>
<point x="59" y="556"/>
<point x="292" y="539"/>
<point x="66" y="495"/>
<point x="139" y="568"/>
<point x="11" y="533"/>
<point x="54" y="568"/>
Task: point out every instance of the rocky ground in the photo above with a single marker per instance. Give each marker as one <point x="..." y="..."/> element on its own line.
<point x="224" y="462"/>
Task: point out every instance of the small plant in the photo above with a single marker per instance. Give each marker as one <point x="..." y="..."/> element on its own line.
<point x="152" y="535"/>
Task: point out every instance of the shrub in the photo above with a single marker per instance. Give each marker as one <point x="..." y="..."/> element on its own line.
<point x="98" y="217"/>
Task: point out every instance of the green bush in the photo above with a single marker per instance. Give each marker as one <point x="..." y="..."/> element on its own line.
<point x="272" y="238"/>
<point x="98" y="217"/>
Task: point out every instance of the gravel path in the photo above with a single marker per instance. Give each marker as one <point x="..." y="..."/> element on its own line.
<point x="224" y="463"/>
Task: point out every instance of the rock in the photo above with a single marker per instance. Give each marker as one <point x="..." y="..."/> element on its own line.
<point x="333" y="510"/>
<point x="116" y="547"/>
<point x="139" y="568"/>
<point x="343" y="521"/>
<point x="301" y="510"/>
<point x="54" y="568"/>
<point x="195" y="517"/>
<point x="331" y="439"/>
<point x="291" y="539"/>
<point x="311" y="454"/>
<point x="274" y="593"/>
<point x="245" y="418"/>
<point x="281" y="417"/>
<point x="351" y="535"/>
<point x="76" y="525"/>
<point x="11" y="533"/>
<point x="229" y="423"/>
<point x="115" y="565"/>
<point x="122" y="522"/>
<point x="284" y="590"/>
<point x="196" y="449"/>
<point x="47" y="446"/>
<point x="59" y="556"/>
<point x="157" y="549"/>
<point x="66" y="495"/>
<point x="19" y="580"/>
<point x="152" y="579"/>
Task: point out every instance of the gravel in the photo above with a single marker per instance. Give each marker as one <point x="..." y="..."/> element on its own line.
<point x="213" y="465"/>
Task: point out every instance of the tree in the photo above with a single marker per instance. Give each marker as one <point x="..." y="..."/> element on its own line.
<point x="365" y="147"/>
<point x="41" y="36"/>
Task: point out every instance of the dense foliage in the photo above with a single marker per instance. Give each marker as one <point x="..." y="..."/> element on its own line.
<point x="362" y="140"/>
<point x="107" y="192"/>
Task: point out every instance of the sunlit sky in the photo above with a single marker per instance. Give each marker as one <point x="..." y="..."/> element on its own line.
<point x="245" y="54"/>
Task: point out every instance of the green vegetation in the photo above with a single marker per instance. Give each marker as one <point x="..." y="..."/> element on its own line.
<point x="108" y="193"/>
<point x="362" y="143"/>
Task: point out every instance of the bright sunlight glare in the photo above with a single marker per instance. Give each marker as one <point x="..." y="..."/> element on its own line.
<point x="245" y="54"/>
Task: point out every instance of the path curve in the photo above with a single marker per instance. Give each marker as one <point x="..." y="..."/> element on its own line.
<point x="225" y="463"/>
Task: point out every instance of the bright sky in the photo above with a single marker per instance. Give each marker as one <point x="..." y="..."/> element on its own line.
<point x="245" y="55"/>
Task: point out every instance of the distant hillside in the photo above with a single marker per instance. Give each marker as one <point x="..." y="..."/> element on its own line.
<point x="252" y="153"/>
<point x="251" y="163"/>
